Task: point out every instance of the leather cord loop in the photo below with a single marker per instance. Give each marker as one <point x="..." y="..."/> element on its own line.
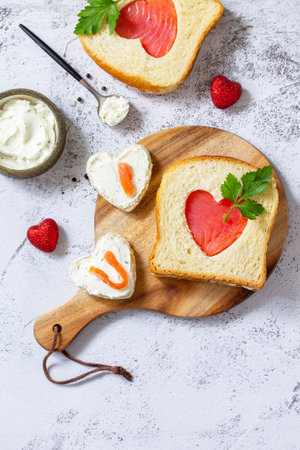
<point x="117" y="370"/>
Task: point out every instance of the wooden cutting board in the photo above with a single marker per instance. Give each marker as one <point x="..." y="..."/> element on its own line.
<point x="166" y="295"/>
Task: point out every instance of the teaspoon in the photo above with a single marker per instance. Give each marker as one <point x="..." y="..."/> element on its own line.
<point x="112" y="109"/>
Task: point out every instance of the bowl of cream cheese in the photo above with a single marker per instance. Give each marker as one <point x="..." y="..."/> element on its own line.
<point x="32" y="133"/>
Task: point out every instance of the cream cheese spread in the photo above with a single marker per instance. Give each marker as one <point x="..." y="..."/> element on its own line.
<point x="83" y="278"/>
<point x="102" y="170"/>
<point x="114" y="109"/>
<point x="28" y="133"/>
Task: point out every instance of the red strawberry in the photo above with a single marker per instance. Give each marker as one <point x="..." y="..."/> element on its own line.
<point x="44" y="236"/>
<point x="224" y="92"/>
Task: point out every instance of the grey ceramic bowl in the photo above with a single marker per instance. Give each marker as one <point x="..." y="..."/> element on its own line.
<point x="60" y="139"/>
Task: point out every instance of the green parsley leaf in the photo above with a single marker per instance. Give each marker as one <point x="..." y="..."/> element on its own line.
<point x="253" y="183"/>
<point x="251" y="209"/>
<point x="92" y="16"/>
<point x="112" y="18"/>
<point x="231" y="188"/>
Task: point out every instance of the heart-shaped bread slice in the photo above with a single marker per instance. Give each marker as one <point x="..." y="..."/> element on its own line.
<point x="194" y="242"/>
<point x="109" y="272"/>
<point x="121" y="180"/>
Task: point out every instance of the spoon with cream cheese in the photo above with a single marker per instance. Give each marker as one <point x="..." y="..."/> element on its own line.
<point x="112" y="109"/>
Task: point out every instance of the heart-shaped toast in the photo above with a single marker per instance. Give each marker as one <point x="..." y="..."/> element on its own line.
<point x="153" y="22"/>
<point x="204" y="216"/>
<point x="109" y="272"/>
<point x="44" y="236"/>
<point x="122" y="180"/>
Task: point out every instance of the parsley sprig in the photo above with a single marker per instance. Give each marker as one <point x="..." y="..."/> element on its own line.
<point x="92" y="16"/>
<point x="253" y="183"/>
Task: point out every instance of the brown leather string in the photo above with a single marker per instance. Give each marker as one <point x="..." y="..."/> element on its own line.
<point x="118" y="370"/>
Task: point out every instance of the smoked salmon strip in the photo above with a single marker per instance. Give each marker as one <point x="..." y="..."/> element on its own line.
<point x="112" y="261"/>
<point x="154" y="22"/>
<point x="125" y="176"/>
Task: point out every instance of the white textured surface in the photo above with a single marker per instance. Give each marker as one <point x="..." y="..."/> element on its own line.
<point x="225" y="382"/>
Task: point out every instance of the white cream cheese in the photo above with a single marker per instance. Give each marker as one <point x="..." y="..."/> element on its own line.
<point x="114" y="109"/>
<point x="28" y="133"/>
<point x="102" y="170"/>
<point x="79" y="269"/>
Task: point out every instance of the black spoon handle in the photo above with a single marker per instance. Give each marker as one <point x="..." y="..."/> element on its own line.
<point x="51" y="53"/>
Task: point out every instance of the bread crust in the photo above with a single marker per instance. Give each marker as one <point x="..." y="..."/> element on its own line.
<point x="141" y="83"/>
<point x="206" y="277"/>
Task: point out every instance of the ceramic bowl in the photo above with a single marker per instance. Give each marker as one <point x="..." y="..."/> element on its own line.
<point x="28" y="94"/>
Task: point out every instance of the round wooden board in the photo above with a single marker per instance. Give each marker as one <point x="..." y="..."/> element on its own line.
<point x="166" y="295"/>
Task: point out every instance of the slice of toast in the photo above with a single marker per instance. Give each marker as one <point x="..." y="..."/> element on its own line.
<point x="127" y="60"/>
<point x="176" y="253"/>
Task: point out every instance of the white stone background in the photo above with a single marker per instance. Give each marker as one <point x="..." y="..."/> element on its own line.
<point x="226" y="382"/>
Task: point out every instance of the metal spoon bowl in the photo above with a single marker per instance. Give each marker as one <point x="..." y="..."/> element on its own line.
<point x="102" y="99"/>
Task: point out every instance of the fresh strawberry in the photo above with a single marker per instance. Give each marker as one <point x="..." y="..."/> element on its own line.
<point x="224" y="92"/>
<point x="44" y="236"/>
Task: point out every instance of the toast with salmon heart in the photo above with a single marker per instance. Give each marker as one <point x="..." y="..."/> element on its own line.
<point x="207" y="226"/>
<point x="151" y="45"/>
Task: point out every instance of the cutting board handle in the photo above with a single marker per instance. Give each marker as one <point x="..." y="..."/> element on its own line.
<point x="72" y="316"/>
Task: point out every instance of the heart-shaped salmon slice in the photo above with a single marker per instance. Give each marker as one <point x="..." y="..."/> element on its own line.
<point x="154" y="22"/>
<point x="109" y="272"/>
<point x="204" y="216"/>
